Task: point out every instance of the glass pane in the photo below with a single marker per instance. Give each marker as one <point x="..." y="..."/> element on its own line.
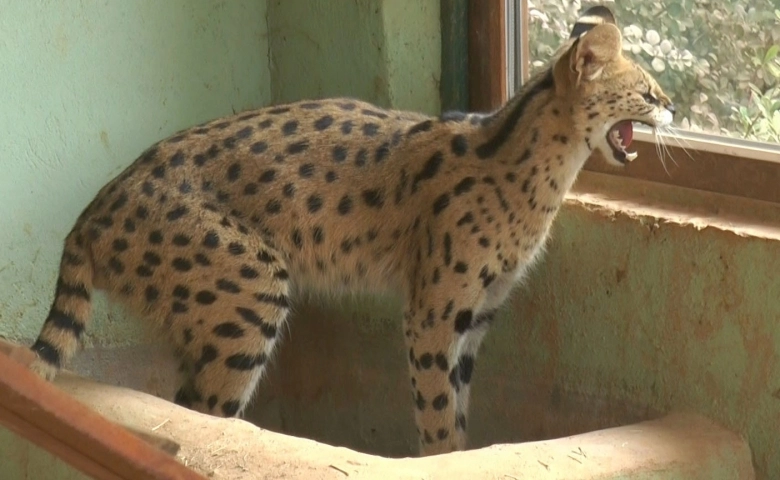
<point x="718" y="59"/>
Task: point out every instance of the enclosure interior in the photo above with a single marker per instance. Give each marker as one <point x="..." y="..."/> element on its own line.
<point x="631" y="314"/>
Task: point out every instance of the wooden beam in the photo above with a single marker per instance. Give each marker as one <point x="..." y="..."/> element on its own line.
<point x="487" y="54"/>
<point x="524" y="44"/>
<point x="38" y="411"/>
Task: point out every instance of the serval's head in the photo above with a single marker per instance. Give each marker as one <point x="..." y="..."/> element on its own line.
<point x="612" y="90"/>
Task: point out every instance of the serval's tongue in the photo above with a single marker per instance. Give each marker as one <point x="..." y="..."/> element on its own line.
<point x="626" y="130"/>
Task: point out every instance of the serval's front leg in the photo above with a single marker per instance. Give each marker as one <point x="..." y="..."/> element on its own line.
<point x="462" y="371"/>
<point x="438" y="331"/>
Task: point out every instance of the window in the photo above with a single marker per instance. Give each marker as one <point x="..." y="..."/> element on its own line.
<point x="720" y="62"/>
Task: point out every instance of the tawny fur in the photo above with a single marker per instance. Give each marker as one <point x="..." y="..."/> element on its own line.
<point x="210" y="232"/>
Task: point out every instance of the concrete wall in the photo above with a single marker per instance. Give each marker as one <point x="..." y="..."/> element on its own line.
<point x="85" y="87"/>
<point x="20" y="459"/>
<point x="385" y="52"/>
<point x="625" y="319"/>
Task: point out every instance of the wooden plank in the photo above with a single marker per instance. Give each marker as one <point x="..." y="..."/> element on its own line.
<point x="698" y="169"/>
<point x="23" y="355"/>
<point x="62" y="450"/>
<point x="40" y="412"/>
<point x="487" y="54"/>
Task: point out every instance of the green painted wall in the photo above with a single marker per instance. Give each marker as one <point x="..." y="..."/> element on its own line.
<point x="85" y="87"/>
<point x="20" y="459"/>
<point x="627" y="317"/>
<point x="624" y="319"/>
<point x="385" y="52"/>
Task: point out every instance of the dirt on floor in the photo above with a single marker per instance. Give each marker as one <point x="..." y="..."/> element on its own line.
<point x="676" y="447"/>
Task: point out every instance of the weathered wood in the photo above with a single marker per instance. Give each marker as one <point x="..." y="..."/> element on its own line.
<point x="46" y="416"/>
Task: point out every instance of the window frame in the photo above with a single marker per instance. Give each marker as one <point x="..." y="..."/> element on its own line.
<point x="710" y="162"/>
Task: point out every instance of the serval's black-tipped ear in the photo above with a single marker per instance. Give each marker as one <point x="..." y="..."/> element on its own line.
<point x="593" y="51"/>
<point x="590" y="18"/>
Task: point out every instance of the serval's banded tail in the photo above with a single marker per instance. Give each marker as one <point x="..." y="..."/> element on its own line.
<point x="61" y="333"/>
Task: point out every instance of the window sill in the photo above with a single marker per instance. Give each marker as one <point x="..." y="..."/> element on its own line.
<point x="656" y="203"/>
<point x="720" y="167"/>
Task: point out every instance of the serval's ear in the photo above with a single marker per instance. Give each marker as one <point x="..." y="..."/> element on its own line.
<point x="594" y="50"/>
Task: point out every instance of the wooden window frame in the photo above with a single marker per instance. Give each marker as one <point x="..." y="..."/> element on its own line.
<point x="710" y="163"/>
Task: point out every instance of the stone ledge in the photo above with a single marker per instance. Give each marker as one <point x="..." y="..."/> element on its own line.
<point x="678" y="446"/>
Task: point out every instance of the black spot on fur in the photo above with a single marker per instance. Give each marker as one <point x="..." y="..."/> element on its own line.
<point x="297" y="147"/>
<point x="228" y="330"/>
<point x="459" y="145"/>
<point x="361" y="157"/>
<point x="318" y="235"/>
<point x="205" y="297"/>
<point x="151" y="293"/>
<point x="234" y="172"/>
<point x="306" y="170"/>
<point x="230" y="408"/>
<point x="373" y="198"/>
<point x="268" y="176"/>
<point x="370" y="129"/>
<point x="440" y="402"/>
<point x="441" y="202"/>
<point x="152" y="258"/>
<point x="447" y="249"/>
<point x="119" y="245"/>
<point x="465" y="185"/>
<point x="423" y="126"/>
<point x="236" y="248"/>
<point x="273" y="207"/>
<point x="228" y="286"/>
<point x="314" y="203"/>
<point x="323" y="123"/>
<point x="441" y="362"/>
<point x="258" y="148"/>
<point x="181" y="264"/>
<point x="486" y="276"/>
<point x="339" y="153"/>
<point x="429" y="170"/>
<point x="463" y="320"/>
<point x="426" y="361"/>
<point x="466" y="367"/>
<point x="297" y="239"/>
<point x="345" y="205"/>
<point x="543" y="82"/>
<point x="211" y="240"/>
<point x="382" y="152"/>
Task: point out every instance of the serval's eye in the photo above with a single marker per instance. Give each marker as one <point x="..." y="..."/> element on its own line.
<point x="650" y="98"/>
